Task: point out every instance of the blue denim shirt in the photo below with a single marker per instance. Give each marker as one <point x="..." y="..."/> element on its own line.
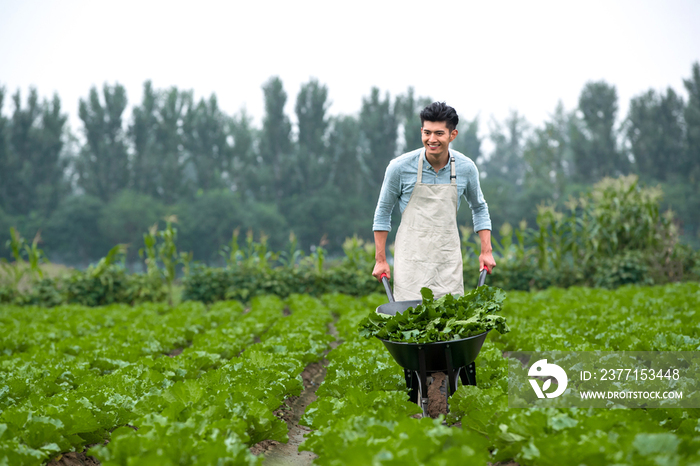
<point x="401" y="176"/>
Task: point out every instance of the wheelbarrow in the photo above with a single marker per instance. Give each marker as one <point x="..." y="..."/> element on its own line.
<point x="421" y="360"/>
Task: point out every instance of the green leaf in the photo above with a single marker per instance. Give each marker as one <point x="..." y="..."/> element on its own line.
<point x="445" y="319"/>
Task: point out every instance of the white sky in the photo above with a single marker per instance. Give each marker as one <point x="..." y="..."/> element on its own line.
<point x="483" y="58"/>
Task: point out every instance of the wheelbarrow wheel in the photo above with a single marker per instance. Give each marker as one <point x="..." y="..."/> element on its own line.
<point x="438" y="389"/>
<point x="437" y="395"/>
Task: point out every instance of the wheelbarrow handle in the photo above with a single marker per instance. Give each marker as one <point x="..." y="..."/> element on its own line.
<point x="387" y="287"/>
<point x="390" y="295"/>
<point x="482" y="277"/>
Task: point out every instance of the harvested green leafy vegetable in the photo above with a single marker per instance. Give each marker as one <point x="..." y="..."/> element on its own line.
<point x="444" y="319"/>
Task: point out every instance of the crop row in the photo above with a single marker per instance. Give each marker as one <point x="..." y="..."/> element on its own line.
<point x="660" y="318"/>
<point x="362" y="414"/>
<point x="372" y="418"/>
<point x="578" y="319"/>
<point x="75" y="374"/>
<point x="71" y="375"/>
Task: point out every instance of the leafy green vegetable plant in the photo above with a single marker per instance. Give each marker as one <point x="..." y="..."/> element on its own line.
<point x="444" y="319"/>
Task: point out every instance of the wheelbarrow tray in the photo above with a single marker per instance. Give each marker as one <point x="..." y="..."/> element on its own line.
<point x="462" y="352"/>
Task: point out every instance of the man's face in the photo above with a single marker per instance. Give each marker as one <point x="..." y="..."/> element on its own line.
<point x="436" y="138"/>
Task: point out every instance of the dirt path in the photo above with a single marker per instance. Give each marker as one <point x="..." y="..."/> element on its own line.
<point x="74" y="459"/>
<point x="276" y="453"/>
<point x="288" y="454"/>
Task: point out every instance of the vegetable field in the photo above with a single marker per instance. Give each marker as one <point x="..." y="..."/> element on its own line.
<point x="196" y="384"/>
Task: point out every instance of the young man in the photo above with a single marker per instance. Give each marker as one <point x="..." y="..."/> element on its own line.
<point x="429" y="184"/>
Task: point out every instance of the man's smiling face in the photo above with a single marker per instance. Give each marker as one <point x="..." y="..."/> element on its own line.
<point x="436" y="138"/>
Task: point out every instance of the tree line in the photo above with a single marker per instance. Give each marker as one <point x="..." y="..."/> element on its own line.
<point x="319" y="177"/>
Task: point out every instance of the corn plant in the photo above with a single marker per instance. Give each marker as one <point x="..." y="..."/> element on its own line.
<point x="358" y="253"/>
<point x="186" y="260"/>
<point x="35" y="256"/>
<point x="167" y="253"/>
<point x="231" y="252"/>
<point x="150" y="239"/>
<point x="20" y="250"/>
<point x="257" y="256"/>
<point x="521" y="234"/>
<point x="16" y="245"/>
<point x="503" y="247"/>
<point x="289" y="258"/>
<point x="160" y="248"/>
<point x="254" y="256"/>
<point x="550" y="237"/>
<point x="263" y="254"/>
<point x="318" y="255"/>
<point x="118" y="252"/>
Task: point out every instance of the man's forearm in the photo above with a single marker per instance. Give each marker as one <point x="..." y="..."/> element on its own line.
<point x="380" y="245"/>
<point x="485" y="236"/>
<point x="486" y="260"/>
<point x="380" y="267"/>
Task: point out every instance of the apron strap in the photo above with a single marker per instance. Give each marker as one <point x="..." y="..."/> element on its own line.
<point x="453" y="170"/>
<point x="420" y="167"/>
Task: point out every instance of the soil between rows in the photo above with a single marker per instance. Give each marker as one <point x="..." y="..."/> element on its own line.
<point x="276" y="453"/>
<point x="74" y="459"/>
<point x="288" y="454"/>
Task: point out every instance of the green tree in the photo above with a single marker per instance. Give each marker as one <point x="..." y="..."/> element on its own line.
<point x="171" y="181"/>
<point x="692" y="121"/>
<point x="126" y="217"/>
<point x="143" y="135"/>
<point x="32" y="164"/>
<point x="593" y="134"/>
<point x="408" y="108"/>
<point x="204" y="135"/>
<point x="244" y="170"/>
<point x="378" y="138"/>
<point x="159" y="152"/>
<point x="546" y="155"/>
<point x="506" y="162"/>
<point x="312" y="162"/>
<point x="503" y="173"/>
<point x="655" y="132"/>
<point x="275" y="142"/>
<point x="345" y="167"/>
<point x="327" y="214"/>
<point x="72" y="235"/>
<point x="468" y="141"/>
<point x="103" y="164"/>
<point x="7" y="161"/>
<point x="207" y="221"/>
<point x="691" y="198"/>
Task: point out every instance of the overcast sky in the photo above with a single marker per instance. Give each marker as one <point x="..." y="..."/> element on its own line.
<point x="484" y="58"/>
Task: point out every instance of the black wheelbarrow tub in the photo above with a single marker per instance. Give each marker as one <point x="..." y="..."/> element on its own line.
<point x="463" y="351"/>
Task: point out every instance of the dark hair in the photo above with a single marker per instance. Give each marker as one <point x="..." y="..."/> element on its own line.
<point x="440" y="111"/>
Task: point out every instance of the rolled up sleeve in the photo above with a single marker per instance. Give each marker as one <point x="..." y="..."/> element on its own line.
<point x="388" y="195"/>
<point x="480" y="210"/>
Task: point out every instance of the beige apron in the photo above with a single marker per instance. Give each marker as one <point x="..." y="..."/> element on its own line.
<point x="427" y="251"/>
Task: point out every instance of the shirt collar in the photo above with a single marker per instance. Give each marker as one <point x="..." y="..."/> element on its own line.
<point x="427" y="166"/>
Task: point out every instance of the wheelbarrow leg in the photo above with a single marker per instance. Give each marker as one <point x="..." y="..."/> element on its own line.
<point x="412" y="384"/>
<point x="451" y="376"/>
<point x="423" y="381"/>
<point x="468" y="374"/>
